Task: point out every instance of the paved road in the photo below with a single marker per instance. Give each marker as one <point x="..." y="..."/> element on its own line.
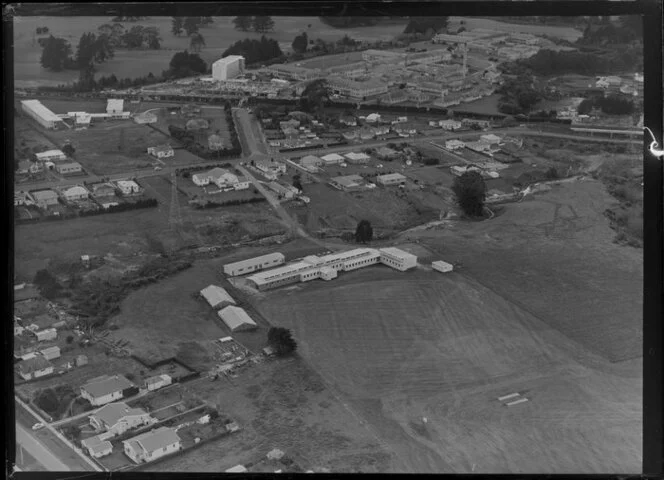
<point x="38" y="451"/>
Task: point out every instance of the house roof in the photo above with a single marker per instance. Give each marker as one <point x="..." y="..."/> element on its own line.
<point x="155" y="440"/>
<point x="162" y="148"/>
<point x="127" y="183"/>
<point x="70" y="164"/>
<point x="112" y="413"/>
<point x="44" y="195"/>
<point x="34" y="364"/>
<point x="157" y="379"/>
<point x="215" y="295"/>
<point x="52" y="349"/>
<point x="357" y="156"/>
<point x="392" y="176"/>
<point x="115" y="104"/>
<point x="106" y="384"/>
<point x="218" y="172"/>
<point x="236" y="317"/>
<point x="386" y="151"/>
<point x="270" y="257"/>
<point x="50" y="153"/>
<point x="237" y="469"/>
<point x="37" y="107"/>
<point x="75" y="190"/>
<point x="332" y="157"/>
<point x="348" y="180"/>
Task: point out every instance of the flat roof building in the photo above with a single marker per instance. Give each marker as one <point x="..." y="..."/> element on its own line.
<point x="441" y="266"/>
<point x="391" y="179"/>
<point x="114" y="105"/>
<point x="397" y="258"/>
<point x="42" y="115"/>
<point x="347" y="182"/>
<point x="254" y="264"/>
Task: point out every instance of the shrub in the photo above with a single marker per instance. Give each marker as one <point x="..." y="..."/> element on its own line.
<point x="70" y="338"/>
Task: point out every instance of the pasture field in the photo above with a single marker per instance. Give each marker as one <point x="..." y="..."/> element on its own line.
<point x="420" y="344"/>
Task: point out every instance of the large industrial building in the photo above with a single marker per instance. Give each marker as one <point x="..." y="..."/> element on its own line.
<point x="41" y="114"/>
<point x="254" y="264"/>
<point x="228" y="67"/>
<point x="328" y="266"/>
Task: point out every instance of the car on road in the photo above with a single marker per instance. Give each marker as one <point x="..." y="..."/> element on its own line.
<point x="157" y="168"/>
<point x="38" y="426"/>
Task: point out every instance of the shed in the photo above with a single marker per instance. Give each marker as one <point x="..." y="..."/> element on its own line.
<point x="217" y="297"/>
<point x="47" y="334"/>
<point x="51" y="352"/>
<point x="237" y="319"/>
<point x="237" y="469"/>
<point x="441" y="266"/>
<point x="81" y="360"/>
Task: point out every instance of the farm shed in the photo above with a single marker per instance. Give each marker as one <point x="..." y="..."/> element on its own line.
<point x="47" y="334"/>
<point x="441" y="266"/>
<point x="253" y="264"/>
<point x="217" y="297"/>
<point x="237" y="319"/>
<point x="157" y="382"/>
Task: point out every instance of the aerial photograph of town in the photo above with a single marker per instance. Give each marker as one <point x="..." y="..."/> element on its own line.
<point x="341" y="244"/>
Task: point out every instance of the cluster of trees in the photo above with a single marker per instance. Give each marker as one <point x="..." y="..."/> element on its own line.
<point x="56" y="54"/>
<point x="363" y="231"/>
<point x="54" y="400"/>
<point x="255" y="51"/>
<point x="128" y="19"/>
<point x="281" y="340"/>
<point x="41" y="30"/>
<point x="185" y="64"/>
<point x="426" y="25"/>
<point x="470" y="191"/>
<point x="259" y="24"/>
<point x="604" y="31"/>
<point x="548" y="62"/>
<point x="227" y="203"/>
<point x="314" y="96"/>
<point x="188" y="25"/>
<point x="349" y="22"/>
<point x="300" y="43"/>
<point x="611" y="104"/>
<point x="518" y="95"/>
<point x="47" y="284"/>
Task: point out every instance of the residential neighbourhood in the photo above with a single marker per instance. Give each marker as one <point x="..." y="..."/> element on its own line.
<point x="335" y="244"/>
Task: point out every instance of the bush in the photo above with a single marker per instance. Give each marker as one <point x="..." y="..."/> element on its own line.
<point x="70" y="338"/>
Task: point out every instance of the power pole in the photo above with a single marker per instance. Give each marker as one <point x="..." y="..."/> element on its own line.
<point x="175" y="217"/>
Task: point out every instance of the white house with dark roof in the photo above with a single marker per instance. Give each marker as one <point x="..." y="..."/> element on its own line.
<point x="157" y="382"/>
<point x="150" y="446"/>
<point x="105" y="389"/>
<point x="161" y="151"/>
<point x="128" y="187"/>
<point x="116" y="418"/>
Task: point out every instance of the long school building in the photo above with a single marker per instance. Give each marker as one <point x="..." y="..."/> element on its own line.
<point x="254" y="264"/>
<point x="328" y="266"/>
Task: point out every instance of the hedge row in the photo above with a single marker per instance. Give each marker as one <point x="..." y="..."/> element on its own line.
<point x="123" y="207"/>
<point x="228" y="203"/>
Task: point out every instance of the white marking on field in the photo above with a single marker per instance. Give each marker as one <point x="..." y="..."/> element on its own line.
<point x="507" y="397"/>
<point x="516" y="402"/>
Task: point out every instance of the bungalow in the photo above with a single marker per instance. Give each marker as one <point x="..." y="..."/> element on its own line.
<point x="386" y="153"/>
<point x="490" y="138"/>
<point x="348" y="120"/>
<point x="311" y="161"/>
<point x="391" y="179"/>
<point x="47" y="334"/>
<point x="152" y="445"/>
<point x="332" y="159"/>
<point x="219" y="176"/>
<point x="454" y="144"/>
<point x="34" y="367"/>
<point x="357" y="158"/>
<point x="105" y="389"/>
<point x="347" y="182"/>
<point x="287" y="192"/>
<point x="405" y="130"/>
<point x="24" y="198"/>
<point x="100" y="190"/>
<point x="69" y="168"/>
<point x="161" y="151"/>
<point x="128" y="187"/>
<point x="450" y="125"/>
<point x="276" y="168"/>
<point x="373" y="118"/>
<point x="157" y="382"/>
<point x="97" y="447"/>
<point x="116" y="418"/>
<point x="380" y="130"/>
<point x="74" y="193"/>
<point x="352" y="135"/>
<point x="50" y="353"/>
<point x="50" y="155"/>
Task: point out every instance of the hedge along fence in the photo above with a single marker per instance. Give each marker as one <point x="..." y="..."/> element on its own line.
<point x="183" y="378"/>
<point x="123" y="207"/>
<point x="228" y="203"/>
<point x="313" y="147"/>
<point x="200" y="168"/>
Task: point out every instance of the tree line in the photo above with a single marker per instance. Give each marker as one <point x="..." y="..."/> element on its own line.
<point x="611" y="104"/>
<point x="259" y="24"/>
<point x="255" y="51"/>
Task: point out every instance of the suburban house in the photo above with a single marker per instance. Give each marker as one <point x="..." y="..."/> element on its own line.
<point x="47" y="334"/>
<point x="97" y="447"/>
<point x="276" y="168"/>
<point x="490" y="138"/>
<point x="77" y="192"/>
<point x="217" y="297"/>
<point x="347" y="182"/>
<point x="288" y="192"/>
<point x="152" y="445"/>
<point x="311" y="161"/>
<point x="50" y="156"/>
<point x="116" y="418"/>
<point x="357" y="158"/>
<point x="161" y="151"/>
<point x="69" y="168"/>
<point x="50" y="353"/>
<point x="332" y="159"/>
<point x="218" y="176"/>
<point x="157" y="382"/>
<point x="100" y="190"/>
<point x="128" y="187"/>
<point x="105" y="389"/>
<point x="373" y="118"/>
<point x="449" y="124"/>
<point x="386" y="153"/>
<point x="391" y="179"/>
<point x="23" y="198"/>
<point x="34" y="367"/>
<point x="454" y="144"/>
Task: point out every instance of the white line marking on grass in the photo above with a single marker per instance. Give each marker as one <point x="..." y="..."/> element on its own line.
<point x="507" y="397"/>
<point x="516" y="402"/>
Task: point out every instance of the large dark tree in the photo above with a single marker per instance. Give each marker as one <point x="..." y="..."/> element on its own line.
<point x="185" y="64"/>
<point x="255" y="51"/>
<point x="426" y="24"/>
<point x="470" y="191"/>
<point x="55" y="54"/>
<point x="177" y="24"/>
<point x="262" y="24"/>
<point x="363" y="231"/>
<point x="300" y="43"/>
<point x="242" y="23"/>
<point x="191" y="25"/>
<point x="281" y="340"/>
<point x="68" y="150"/>
<point x="314" y="96"/>
<point x="197" y="41"/>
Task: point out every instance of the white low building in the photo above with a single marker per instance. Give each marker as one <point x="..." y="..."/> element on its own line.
<point x="450" y="125"/>
<point x="250" y="265"/>
<point x="397" y="258"/>
<point x="454" y="144"/>
<point x="69" y="168"/>
<point x="97" y="447"/>
<point x="42" y="115"/>
<point x="105" y="389"/>
<point x="50" y="156"/>
<point x="157" y="382"/>
<point x="152" y="445"/>
<point x="217" y="297"/>
<point x="128" y="187"/>
<point x="357" y="157"/>
<point x="391" y="179"/>
<point x="441" y="266"/>
<point x="114" y="106"/>
<point x="161" y="151"/>
<point x="332" y="159"/>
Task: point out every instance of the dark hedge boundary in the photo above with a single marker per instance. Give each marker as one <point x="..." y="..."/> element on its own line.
<point x="229" y="203"/>
<point x="193" y="373"/>
<point x="123" y="207"/>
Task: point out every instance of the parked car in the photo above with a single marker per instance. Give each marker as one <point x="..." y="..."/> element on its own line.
<point x="38" y="426"/>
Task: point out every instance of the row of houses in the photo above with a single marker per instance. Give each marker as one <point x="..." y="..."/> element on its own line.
<point x="222" y="178"/>
<point x="48" y="197"/>
<point x="334" y="159"/>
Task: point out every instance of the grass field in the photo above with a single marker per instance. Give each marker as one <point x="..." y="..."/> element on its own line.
<point x="408" y="345"/>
